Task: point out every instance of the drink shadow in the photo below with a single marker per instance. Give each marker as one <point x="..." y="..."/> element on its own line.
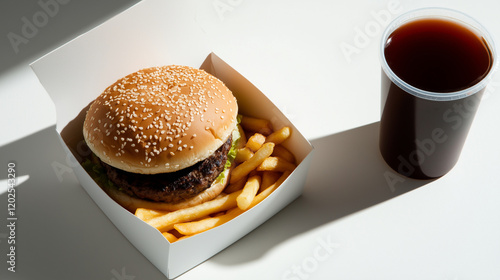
<point x="347" y="175"/>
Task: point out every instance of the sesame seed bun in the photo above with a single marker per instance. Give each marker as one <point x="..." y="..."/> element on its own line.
<point x="160" y="120"/>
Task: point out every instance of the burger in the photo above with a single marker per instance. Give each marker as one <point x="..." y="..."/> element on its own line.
<point x="162" y="138"/>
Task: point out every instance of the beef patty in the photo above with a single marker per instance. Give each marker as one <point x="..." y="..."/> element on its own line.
<point x="171" y="187"/>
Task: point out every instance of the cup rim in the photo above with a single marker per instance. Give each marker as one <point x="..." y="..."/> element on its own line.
<point x="439" y="12"/>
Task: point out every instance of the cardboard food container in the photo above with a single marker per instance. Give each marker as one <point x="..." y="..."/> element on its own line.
<point x="154" y="33"/>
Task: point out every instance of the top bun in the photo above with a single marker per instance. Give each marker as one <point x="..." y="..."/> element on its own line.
<point x="160" y="119"/>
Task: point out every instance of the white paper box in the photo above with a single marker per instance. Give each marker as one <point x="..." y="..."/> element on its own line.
<point x="76" y="73"/>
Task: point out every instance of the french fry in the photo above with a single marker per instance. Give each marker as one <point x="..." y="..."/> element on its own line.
<point x="262" y="165"/>
<point x="265" y="193"/>
<point x="236" y="186"/>
<point x="246" y="167"/>
<point x="254" y="172"/>
<point x="243" y="139"/>
<point x="170" y="237"/>
<point x="192" y="228"/>
<point x="261" y="126"/>
<point x="147" y="214"/>
<point x="175" y="233"/>
<point x="218" y="214"/>
<point x="268" y="178"/>
<point x="282" y="152"/>
<point x="279" y="136"/>
<point x="184" y="237"/>
<point x="243" y="154"/>
<point x="166" y="222"/>
<point x="249" y="191"/>
<point x="255" y="142"/>
<point x="275" y="164"/>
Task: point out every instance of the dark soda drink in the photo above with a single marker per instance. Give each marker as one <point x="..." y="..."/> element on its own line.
<point x="433" y="80"/>
<point x="438" y="55"/>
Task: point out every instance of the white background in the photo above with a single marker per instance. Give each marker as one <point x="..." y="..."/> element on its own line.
<point x="350" y="223"/>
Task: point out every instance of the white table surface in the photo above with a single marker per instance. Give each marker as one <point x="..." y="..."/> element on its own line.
<point x="350" y="223"/>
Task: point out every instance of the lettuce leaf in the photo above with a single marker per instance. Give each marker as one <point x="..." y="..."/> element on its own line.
<point x="97" y="172"/>
<point x="231" y="155"/>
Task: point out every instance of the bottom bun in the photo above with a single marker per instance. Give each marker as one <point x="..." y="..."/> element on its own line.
<point x="132" y="203"/>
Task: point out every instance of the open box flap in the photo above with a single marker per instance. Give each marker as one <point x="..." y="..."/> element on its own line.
<point x="151" y="33"/>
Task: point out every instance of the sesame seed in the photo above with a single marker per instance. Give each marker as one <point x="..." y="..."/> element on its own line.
<point x="178" y="98"/>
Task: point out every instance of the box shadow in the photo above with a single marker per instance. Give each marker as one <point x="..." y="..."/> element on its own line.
<point x="347" y="175"/>
<point x="58" y="223"/>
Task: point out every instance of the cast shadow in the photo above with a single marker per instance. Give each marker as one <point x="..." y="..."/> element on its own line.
<point x="347" y="175"/>
<point x="60" y="231"/>
<point x="33" y="28"/>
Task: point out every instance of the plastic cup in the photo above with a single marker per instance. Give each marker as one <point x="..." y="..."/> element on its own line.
<point x="422" y="131"/>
